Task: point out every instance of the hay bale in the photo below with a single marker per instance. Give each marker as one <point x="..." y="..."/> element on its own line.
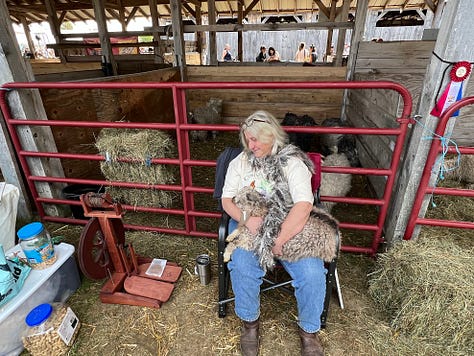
<point x="140" y="146"/>
<point x="426" y="287"/>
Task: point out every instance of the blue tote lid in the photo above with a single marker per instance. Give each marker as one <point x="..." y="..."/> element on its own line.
<point x="30" y="230"/>
<point x="39" y="314"/>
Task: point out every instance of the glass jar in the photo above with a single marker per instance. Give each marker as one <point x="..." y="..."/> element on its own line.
<point x="52" y="329"/>
<point x="36" y="244"/>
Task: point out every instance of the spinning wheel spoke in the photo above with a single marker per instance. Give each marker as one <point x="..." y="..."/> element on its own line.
<point x="93" y="255"/>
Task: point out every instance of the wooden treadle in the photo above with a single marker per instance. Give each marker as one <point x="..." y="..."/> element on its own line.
<point x="149" y="288"/>
<point x="170" y="274"/>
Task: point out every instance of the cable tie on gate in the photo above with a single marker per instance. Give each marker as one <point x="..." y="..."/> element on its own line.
<point x="148" y="161"/>
<point x="6" y="89"/>
<point x="107" y="157"/>
<point x="445" y="142"/>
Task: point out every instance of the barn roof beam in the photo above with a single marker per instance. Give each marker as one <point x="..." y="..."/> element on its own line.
<point x="122" y="16"/>
<point x="144" y="14"/>
<point x="189" y="9"/>
<point x="131" y="15"/>
<point x="260" y="27"/>
<point x="229" y="5"/>
<point x="79" y="16"/>
<point x="251" y="6"/>
<point x="88" y="15"/>
<point x="322" y="8"/>
<point x="196" y="3"/>
<point x="62" y="16"/>
<point x="431" y="5"/>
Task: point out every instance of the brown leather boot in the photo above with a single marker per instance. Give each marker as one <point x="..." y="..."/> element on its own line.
<point x="249" y="338"/>
<point x="310" y="344"/>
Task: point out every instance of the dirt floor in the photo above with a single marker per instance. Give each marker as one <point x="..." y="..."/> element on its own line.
<point x="188" y="324"/>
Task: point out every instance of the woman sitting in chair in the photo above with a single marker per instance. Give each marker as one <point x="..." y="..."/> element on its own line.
<point x="282" y="173"/>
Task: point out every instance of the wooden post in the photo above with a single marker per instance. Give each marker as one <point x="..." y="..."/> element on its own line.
<point x="211" y="17"/>
<point x="26" y="28"/>
<point x="357" y="36"/>
<point x="24" y="104"/>
<point x="156" y="35"/>
<point x="341" y="37"/>
<point x="240" y="13"/>
<point x="55" y="26"/>
<point x="99" y="11"/>
<point x="332" y="18"/>
<point x="200" y="39"/>
<point x="178" y="37"/>
<point x="455" y="42"/>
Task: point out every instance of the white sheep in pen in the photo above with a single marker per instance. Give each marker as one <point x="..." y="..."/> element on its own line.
<point x="320" y="236"/>
<point x="335" y="184"/>
<point x="209" y="114"/>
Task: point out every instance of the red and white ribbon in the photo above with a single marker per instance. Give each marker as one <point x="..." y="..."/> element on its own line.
<point x="453" y="91"/>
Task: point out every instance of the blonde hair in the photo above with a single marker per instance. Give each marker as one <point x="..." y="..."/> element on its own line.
<point x="265" y="128"/>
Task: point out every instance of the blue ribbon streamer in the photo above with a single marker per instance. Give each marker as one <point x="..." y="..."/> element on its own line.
<point x="445" y="142"/>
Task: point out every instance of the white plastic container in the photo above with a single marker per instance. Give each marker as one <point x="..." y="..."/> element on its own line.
<point x="53" y="284"/>
<point x="9" y="196"/>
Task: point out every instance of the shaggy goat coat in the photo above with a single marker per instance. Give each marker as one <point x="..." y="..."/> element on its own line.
<point x="318" y="238"/>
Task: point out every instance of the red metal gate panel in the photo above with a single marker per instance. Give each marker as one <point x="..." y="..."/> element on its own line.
<point x="424" y="189"/>
<point x="184" y="161"/>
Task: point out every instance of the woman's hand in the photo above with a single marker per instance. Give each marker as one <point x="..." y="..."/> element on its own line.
<point x="253" y="224"/>
<point x="277" y="248"/>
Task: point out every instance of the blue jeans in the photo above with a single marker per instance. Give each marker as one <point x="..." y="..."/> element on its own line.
<point x="309" y="281"/>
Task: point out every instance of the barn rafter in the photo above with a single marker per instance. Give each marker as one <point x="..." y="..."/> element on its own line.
<point x="81" y="10"/>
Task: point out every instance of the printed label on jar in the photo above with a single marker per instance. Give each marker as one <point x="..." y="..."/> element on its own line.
<point x="40" y="254"/>
<point x="68" y="326"/>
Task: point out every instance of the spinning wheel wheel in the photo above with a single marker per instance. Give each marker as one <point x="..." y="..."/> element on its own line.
<point x="93" y="255"/>
<point x="102" y="253"/>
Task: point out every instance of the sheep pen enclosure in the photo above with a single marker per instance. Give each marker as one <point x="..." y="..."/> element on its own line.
<point x="188" y="323"/>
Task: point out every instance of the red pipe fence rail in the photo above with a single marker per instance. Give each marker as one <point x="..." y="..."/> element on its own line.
<point x="424" y="189"/>
<point x="184" y="161"/>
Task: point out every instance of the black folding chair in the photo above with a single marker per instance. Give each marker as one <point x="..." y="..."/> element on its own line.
<point x="332" y="280"/>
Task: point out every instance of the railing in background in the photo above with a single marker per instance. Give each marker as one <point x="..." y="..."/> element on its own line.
<point x="185" y="162"/>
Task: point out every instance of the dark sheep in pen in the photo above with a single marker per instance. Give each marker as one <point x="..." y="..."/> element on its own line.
<point x="339" y="143"/>
<point x="304" y="141"/>
<point x="205" y="115"/>
<point x="319" y="238"/>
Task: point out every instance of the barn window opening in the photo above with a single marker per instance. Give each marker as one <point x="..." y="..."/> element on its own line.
<point x="403" y="18"/>
<point x="283" y="19"/>
<point x="229" y="21"/>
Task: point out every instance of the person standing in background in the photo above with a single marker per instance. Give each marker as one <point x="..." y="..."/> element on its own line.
<point x="226" y="55"/>
<point x="313" y="54"/>
<point x="302" y="53"/>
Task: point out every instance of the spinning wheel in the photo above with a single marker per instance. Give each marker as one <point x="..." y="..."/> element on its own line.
<point x="102" y="253"/>
<point x="93" y="255"/>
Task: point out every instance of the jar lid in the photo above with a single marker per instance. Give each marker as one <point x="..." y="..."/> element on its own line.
<point x="30" y="230"/>
<point x="39" y="314"/>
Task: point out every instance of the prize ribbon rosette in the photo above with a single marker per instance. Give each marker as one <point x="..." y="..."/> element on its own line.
<point x="453" y="92"/>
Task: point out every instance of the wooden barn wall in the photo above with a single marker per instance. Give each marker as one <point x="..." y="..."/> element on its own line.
<point x="404" y="62"/>
<point x="237" y="104"/>
<point x="104" y="105"/>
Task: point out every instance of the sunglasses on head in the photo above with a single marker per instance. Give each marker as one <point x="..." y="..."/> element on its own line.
<point x="246" y="124"/>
